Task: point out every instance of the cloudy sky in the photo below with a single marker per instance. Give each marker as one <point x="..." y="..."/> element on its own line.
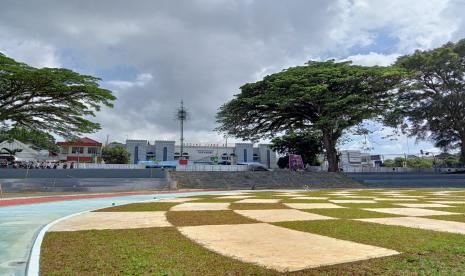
<point x="154" y="53"/>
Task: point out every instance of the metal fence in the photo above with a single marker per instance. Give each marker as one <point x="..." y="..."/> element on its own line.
<point x="109" y="166"/>
<point x="362" y="169"/>
<point x="212" y="168"/>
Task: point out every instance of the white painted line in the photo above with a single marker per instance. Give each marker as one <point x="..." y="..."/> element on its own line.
<point x="33" y="268"/>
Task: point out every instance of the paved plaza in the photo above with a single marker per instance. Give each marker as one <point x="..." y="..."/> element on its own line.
<point x="255" y="235"/>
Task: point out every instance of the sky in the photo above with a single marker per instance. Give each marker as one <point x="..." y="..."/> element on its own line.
<point x="154" y="53"/>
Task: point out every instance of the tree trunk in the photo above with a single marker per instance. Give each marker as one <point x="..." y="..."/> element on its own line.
<point x="329" y="143"/>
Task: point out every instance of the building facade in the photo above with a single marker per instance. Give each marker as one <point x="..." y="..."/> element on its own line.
<point x="143" y="150"/>
<point x="82" y="150"/>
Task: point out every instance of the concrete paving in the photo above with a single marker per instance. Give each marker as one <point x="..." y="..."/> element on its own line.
<point x="201" y="206"/>
<point x="414" y="212"/>
<point x="112" y="220"/>
<point x="351" y="201"/>
<point x="423" y="205"/>
<point x="313" y="205"/>
<point x="258" y="200"/>
<point x="280" y="248"/>
<point x="277" y="215"/>
<point x="422" y="223"/>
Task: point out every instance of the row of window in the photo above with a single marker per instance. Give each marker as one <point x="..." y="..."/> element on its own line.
<point x="80" y="150"/>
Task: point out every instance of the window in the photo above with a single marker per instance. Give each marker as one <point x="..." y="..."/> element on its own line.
<point x="77" y="150"/>
<point x="136" y="155"/>
<point x="165" y="153"/>
<point x="268" y="159"/>
<point x="92" y="150"/>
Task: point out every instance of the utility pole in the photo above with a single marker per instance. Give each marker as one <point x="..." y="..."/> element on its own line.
<point x="182" y="116"/>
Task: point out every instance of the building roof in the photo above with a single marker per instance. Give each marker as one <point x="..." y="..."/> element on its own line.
<point x="85" y="142"/>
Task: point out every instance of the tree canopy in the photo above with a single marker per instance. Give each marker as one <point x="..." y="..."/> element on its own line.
<point x="323" y="98"/>
<point x="307" y="145"/>
<point x="115" y="155"/>
<point x="49" y="99"/>
<point x="432" y="104"/>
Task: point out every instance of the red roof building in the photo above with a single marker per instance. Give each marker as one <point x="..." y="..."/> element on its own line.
<point x="82" y="150"/>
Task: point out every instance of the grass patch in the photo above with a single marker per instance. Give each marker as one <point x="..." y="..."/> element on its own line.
<point x="349" y="213"/>
<point x="192" y="218"/>
<point x="424" y="252"/>
<point x="149" y="251"/>
<point x="257" y="206"/>
<point x="140" y="207"/>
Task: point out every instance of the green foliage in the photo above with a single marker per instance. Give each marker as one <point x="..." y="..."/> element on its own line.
<point x="432" y="102"/>
<point x="49" y="99"/>
<point x="419" y="163"/>
<point x="38" y="139"/>
<point x="306" y="145"/>
<point x="322" y="98"/>
<point x="115" y="155"/>
<point x="397" y="162"/>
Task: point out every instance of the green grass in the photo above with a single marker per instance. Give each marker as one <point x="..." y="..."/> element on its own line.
<point x="149" y="251"/>
<point x="192" y="218"/>
<point x="424" y="252"/>
<point x="140" y="207"/>
<point x="257" y="206"/>
<point x="349" y="213"/>
<point x="164" y="251"/>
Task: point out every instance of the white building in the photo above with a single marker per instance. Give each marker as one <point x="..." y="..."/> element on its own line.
<point x="24" y="151"/>
<point x="142" y="150"/>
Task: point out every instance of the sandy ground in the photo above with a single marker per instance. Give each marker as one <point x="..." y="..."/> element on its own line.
<point x="258" y="200"/>
<point x="422" y="223"/>
<point x="422" y="205"/>
<point x="112" y="220"/>
<point x="351" y="201"/>
<point x="277" y="215"/>
<point x="312" y="205"/>
<point x="414" y="212"/>
<point x="280" y="248"/>
<point x="199" y="206"/>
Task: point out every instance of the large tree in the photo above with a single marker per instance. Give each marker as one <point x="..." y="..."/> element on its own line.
<point x="432" y="104"/>
<point x="304" y="144"/>
<point x="324" y="98"/>
<point x="49" y="99"/>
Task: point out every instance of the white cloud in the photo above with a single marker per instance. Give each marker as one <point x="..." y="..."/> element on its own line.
<point x="141" y="80"/>
<point x="202" y="51"/>
<point x="373" y="58"/>
<point x="34" y="53"/>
